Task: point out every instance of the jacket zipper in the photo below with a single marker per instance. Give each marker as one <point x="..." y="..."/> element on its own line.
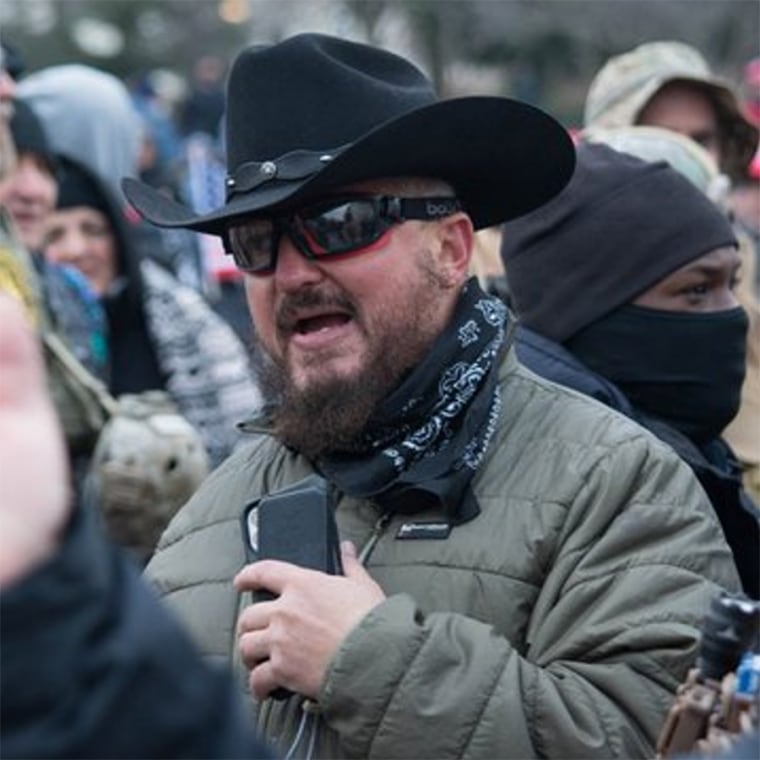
<point x="379" y="528"/>
<point x="311" y="710"/>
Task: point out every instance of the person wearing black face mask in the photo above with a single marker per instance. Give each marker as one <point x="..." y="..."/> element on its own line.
<point x="623" y="287"/>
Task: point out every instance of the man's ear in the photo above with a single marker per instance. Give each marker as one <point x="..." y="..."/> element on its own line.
<point x="457" y="238"/>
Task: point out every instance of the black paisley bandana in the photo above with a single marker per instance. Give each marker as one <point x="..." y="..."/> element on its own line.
<point x="425" y="441"/>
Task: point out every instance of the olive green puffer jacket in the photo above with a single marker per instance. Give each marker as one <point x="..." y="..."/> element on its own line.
<point x="556" y="623"/>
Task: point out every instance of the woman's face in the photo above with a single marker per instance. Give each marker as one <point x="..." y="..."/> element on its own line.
<point x="29" y="192"/>
<point x="705" y="284"/>
<point x="82" y="237"/>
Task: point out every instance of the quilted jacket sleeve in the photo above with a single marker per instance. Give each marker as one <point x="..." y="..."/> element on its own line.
<point x="604" y="653"/>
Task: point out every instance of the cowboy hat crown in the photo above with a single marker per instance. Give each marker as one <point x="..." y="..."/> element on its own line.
<point x="315" y="113"/>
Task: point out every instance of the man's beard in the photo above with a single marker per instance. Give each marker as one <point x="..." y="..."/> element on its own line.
<point x="330" y="414"/>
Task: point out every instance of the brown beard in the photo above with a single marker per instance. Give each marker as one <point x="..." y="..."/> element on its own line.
<point x="324" y="417"/>
<point x="329" y="416"/>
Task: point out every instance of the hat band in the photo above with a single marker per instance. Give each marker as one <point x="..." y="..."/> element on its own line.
<point x="297" y="164"/>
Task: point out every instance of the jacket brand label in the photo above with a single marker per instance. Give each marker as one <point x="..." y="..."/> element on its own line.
<point x="424" y="531"/>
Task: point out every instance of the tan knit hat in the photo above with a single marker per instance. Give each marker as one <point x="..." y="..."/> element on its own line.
<point x="657" y="144"/>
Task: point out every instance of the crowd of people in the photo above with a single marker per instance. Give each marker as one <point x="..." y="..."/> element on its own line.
<point x="533" y="477"/>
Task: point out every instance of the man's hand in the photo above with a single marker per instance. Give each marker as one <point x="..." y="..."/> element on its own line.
<point x="34" y="493"/>
<point x="290" y="641"/>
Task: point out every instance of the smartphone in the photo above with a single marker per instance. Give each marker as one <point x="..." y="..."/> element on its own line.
<point x="296" y="524"/>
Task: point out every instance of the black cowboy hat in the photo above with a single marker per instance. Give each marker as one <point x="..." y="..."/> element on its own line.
<point x="314" y="113"/>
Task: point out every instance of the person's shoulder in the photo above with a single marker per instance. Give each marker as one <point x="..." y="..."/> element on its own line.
<point x="162" y="285"/>
<point x="550" y="410"/>
<point x="157" y="276"/>
<point x="558" y="437"/>
<point x="166" y="296"/>
<point x="571" y="452"/>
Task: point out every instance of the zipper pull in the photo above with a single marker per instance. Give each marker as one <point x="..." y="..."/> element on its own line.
<point x="377" y="531"/>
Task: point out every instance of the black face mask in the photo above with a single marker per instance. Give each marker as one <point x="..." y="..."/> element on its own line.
<point x="687" y="369"/>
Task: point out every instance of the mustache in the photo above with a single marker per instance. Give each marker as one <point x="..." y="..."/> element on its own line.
<point x="287" y="315"/>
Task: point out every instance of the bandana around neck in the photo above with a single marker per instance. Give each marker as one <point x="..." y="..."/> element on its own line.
<point x="426" y="440"/>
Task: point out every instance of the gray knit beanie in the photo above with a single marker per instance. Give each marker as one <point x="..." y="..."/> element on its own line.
<point x="620" y="226"/>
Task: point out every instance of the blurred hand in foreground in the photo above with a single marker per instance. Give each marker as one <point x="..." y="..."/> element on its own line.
<point x="34" y="490"/>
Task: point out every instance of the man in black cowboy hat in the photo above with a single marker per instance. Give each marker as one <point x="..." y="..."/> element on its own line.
<point x="531" y="567"/>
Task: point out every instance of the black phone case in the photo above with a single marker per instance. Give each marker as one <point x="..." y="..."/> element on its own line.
<point x="295" y="525"/>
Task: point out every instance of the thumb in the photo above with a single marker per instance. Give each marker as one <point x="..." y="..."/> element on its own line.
<point x="351" y="565"/>
<point x="22" y="380"/>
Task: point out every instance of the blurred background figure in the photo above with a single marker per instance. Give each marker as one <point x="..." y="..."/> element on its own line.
<point x="745" y="200"/>
<point x="89" y="117"/>
<point x="156" y="95"/>
<point x="750" y="90"/>
<point x="10" y="67"/>
<point x="161" y="335"/>
<point x="203" y="107"/>
<point x="133" y="458"/>
<point x="29" y="193"/>
<point x="93" y="120"/>
<point x="70" y="317"/>
<point x="745" y="205"/>
<point x="670" y="84"/>
<point x="201" y="184"/>
<point x="486" y="263"/>
<point x="698" y="166"/>
<point x="202" y="175"/>
<point x="646" y="319"/>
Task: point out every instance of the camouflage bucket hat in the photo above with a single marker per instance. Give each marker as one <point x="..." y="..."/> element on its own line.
<point x="627" y="82"/>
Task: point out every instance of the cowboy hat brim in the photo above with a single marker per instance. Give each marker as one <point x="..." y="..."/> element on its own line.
<point x="503" y="157"/>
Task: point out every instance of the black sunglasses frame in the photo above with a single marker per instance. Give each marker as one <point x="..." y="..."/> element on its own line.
<point x="388" y="210"/>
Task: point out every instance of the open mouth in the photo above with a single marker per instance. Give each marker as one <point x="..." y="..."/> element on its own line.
<point x="320" y="322"/>
<point x="26" y="218"/>
<point x="315" y="319"/>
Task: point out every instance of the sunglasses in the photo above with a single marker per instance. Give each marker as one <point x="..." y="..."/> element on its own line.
<point x="334" y="227"/>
